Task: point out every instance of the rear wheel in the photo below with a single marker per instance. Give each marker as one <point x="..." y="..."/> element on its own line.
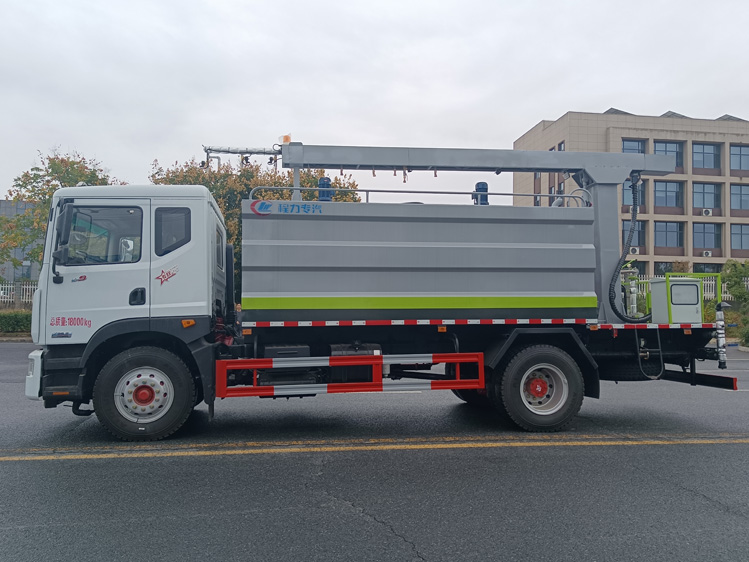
<point x="144" y="394"/>
<point x="540" y="388"/>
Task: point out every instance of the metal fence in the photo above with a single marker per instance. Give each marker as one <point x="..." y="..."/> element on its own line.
<point x="17" y="295"/>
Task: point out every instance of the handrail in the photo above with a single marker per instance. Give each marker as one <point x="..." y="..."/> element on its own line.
<point x="579" y="200"/>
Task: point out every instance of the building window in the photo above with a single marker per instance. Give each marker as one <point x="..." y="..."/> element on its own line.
<point x="560" y="189"/>
<point x="706" y="195"/>
<point x="633" y="146"/>
<point x="638" y="238"/>
<point x="560" y="146"/>
<point x="707" y="235"/>
<point x="706" y="156"/>
<point x="707" y="267"/>
<point x="640" y="266"/>
<point x="669" y="194"/>
<point x="669" y="234"/>
<point x="740" y="236"/>
<point x="627" y="193"/>
<point x="662" y="267"/>
<point x="739" y="157"/>
<point x="536" y="175"/>
<point x="551" y="192"/>
<point x="671" y="149"/>
<point x="537" y="201"/>
<point x="740" y="197"/>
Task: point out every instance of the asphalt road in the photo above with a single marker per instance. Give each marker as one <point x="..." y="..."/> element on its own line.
<point x="651" y="471"/>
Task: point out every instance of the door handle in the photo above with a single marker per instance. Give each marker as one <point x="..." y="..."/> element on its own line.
<point x="137" y="296"/>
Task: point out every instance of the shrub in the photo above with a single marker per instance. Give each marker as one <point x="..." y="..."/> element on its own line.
<point x="15" y="321"/>
<point x="744" y="337"/>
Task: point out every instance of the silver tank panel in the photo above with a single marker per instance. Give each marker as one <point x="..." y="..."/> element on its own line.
<point x="308" y="261"/>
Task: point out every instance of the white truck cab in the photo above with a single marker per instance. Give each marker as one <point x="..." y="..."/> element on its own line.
<point x="128" y="269"/>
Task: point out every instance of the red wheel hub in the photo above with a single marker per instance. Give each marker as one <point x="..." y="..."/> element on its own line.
<point x="143" y="395"/>
<point x="538" y="387"/>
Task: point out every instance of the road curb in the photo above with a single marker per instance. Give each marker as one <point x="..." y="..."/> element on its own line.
<point x="10" y="338"/>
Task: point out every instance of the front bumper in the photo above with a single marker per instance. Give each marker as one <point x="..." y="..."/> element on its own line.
<point x="34" y="378"/>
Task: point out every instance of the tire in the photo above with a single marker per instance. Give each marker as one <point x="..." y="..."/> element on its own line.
<point x="144" y="394"/>
<point x="540" y="388"/>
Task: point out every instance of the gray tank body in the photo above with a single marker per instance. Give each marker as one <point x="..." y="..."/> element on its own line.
<point x="313" y="261"/>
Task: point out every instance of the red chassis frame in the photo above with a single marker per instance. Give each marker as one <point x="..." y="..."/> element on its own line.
<point x="376" y="362"/>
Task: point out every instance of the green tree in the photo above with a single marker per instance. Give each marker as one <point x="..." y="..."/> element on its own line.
<point x="733" y="274"/>
<point x="230" y="185"/>
<point x="36" y="187"/>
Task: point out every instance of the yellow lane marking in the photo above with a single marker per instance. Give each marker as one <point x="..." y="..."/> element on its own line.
<point x="311" y="447"/>
<point x="524" y="437"/>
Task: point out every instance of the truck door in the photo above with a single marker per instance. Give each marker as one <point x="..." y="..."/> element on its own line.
<point x="180" y="278"/>
<point x="104" y="276"/>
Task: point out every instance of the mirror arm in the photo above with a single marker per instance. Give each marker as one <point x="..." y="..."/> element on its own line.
<point x="56" y="277"/>
<point x="61" y="254"/>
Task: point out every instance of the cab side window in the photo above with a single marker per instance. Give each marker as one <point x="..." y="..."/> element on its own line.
<point x="220" y="250"/>
<point x="172" y="229"/>
<point x="101" y="235"/>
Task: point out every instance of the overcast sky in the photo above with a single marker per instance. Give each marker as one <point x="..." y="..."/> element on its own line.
<point x="127" y="82"/>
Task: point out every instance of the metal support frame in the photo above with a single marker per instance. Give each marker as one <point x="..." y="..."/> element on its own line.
<point x="376" y="362"/>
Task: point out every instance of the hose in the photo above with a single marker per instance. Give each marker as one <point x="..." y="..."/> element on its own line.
<point x="615" y="281"/>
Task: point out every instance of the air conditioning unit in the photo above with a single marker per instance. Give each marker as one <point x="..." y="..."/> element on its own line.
<point x="707" y="254"/>
<point x="634" y="250"/>
<point x="707" y="212"/>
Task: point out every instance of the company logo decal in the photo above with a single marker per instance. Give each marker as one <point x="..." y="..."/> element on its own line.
<point x="168" y="274"/>
<point x="300" y="208"/>
<point x="264" y="208"/>
<point x="261" y="208"/>
<point x="80" y="278"/>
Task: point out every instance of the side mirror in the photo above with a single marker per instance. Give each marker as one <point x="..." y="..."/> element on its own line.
<point x="64" y="222"/>
<point x="61" y="255"/>
<point x="127" y="246"/>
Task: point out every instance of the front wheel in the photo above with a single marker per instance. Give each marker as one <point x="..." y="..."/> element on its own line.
<point x="144" y="394"/>
<point x="541" y="388"/>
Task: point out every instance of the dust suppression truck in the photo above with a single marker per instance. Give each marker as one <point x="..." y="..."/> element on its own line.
<point x="514" y="307"/>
